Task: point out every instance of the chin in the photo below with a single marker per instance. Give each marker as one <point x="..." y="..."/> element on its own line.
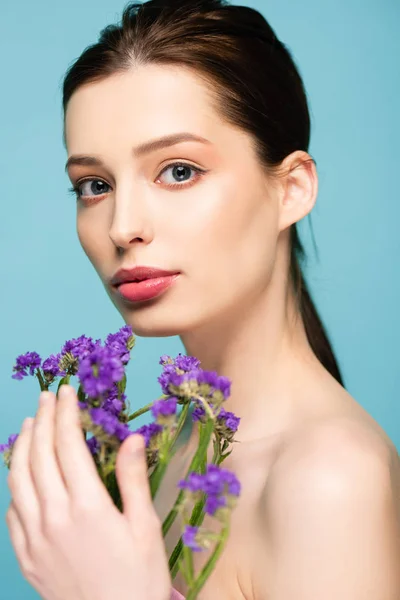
<point x="163" y="324"/>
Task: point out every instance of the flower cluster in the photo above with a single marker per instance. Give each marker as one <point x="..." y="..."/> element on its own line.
<point x="30" y="360"/>
<point x="220" y="486"/>
<point x="100" y="370"/>
<point x="184" y="378"/>
<point x="221" y="489"/>
<point x="226" y="424"/>
<point x="6" y="449"/>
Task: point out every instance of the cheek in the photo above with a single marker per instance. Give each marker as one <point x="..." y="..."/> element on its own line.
<point x="91" y="238"/>
<point x="233" y="251"/>
<point x="83" y="234"/>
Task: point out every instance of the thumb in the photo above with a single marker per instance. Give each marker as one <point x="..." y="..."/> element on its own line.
<point x="132" y="478"/>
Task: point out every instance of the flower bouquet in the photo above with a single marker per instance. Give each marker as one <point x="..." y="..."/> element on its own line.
<point x="104" y="410"/>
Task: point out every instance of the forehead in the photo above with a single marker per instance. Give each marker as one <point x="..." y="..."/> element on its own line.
<point x="147" y="101"/>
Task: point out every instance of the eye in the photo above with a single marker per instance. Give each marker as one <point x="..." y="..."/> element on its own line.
<point x="83" y="188"/>
<point x="180" y="174"/>
<point x="88" y="190"/>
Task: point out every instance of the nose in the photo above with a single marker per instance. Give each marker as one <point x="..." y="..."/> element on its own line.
<point x="131" y="220"/>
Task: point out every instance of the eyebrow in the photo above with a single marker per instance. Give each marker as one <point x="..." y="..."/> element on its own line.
<point x="142" y="149"/>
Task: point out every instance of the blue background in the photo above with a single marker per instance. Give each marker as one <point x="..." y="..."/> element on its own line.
<point x="347" y="52"/>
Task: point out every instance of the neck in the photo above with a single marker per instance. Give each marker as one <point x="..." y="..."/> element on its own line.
<point x="265" y="353"/>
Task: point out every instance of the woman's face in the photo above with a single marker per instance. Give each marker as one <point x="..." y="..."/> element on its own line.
<point x="215" y="220"/>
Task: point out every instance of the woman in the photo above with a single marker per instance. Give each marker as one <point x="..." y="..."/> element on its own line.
<point x="187" y="130"/>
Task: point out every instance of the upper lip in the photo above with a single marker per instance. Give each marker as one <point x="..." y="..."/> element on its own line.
<point x="139" y="274"/>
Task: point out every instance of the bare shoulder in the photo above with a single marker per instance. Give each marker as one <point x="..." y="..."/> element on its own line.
<point x="332" y="514"/>
<point x="336" y="440"/>
<point x="340" y="447"/>
<point x="338" y="433"/>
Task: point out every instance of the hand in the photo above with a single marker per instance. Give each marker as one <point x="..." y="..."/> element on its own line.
<point x="71" y="542"/>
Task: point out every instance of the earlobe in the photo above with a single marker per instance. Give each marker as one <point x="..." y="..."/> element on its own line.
<point x="299" y="189"/>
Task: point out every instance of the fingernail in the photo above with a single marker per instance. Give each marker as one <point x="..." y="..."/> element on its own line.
<point x="137" y="445"/>
<point x="43" y="398"/>
<point x="64" y="391"/>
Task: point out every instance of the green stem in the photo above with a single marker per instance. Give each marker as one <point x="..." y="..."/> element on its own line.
<point x="197" y="514"/>
<point x="43" y="385"/>
<point x="173" y="559"/>
<point x="194" y="465"/>
<point x="209" y="566"/>
<point x="198" y="462"/>
<point x="181" y="421"/>
<point x="206" y="406"/>
<point x="196" y="520"/>
<point x="159" y="472"/>
<point x="63" y="380"/>
<point x="141" y="411"/>
<point x="168" y="521"/>
<point x="81" y="394"/>
<point x="121" y="385"/>
<point x="144" y="409"/>
<point x="189" y="568"/>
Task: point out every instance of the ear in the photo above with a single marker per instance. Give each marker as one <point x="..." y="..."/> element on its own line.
<point x="299" y="188"/>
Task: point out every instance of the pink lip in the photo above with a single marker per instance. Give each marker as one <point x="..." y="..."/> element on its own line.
<point x="139" y="274"/>
<point x="146" y="289"/>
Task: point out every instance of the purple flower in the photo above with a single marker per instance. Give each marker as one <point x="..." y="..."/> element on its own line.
<point x="164" y="410"/>
<point x="213" y="503"/>
<point x="218" y="383"/>
<point x="189" y="538"/>
<point x="149" y="432"/>
<point x="216" y="474"/>
<point x="11" y="441"/>
<point x="109" y="423"/>
<point x="194" y="483"/>
<point x="184" y="378"/>
<point x="99" y="371"/>
<point x="228" y="419"/>
<point x="227" y="424"/>
<point x="7" y="448"/>
<point x="185" y="363"/>
<point x="112" y="403"/>
<point x="121" y="343"/>
<point x="214" y="480"/>
<point x="79" y="347"/>
<point x="29" y="360"/>
<point x="152" y="435"/>
<point x="93" y="445"/>
<point x="220" y="486"/>
<point x="199" y="413"/>
<point x="173" y="369"/>
<point x="173" y="383"/>
<point x="51" y="367"/>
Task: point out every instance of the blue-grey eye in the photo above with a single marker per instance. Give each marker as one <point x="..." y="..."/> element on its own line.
<point x="179" y="172"/>
<point x="96" y="186"/>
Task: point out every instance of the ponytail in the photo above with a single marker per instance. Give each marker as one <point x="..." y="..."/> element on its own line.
<point x="315" y="330"/>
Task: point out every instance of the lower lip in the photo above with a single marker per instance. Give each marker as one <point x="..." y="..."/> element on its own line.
<point x="147" y="289"/>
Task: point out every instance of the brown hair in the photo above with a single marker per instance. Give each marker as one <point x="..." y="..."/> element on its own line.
<point x="252" y="78"/>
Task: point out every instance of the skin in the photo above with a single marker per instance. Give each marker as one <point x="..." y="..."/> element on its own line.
<point x="227" y="232"/>
<point x="69" y="538"/>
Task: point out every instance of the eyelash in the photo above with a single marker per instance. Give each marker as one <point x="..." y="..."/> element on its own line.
<point x="92" y="199"/>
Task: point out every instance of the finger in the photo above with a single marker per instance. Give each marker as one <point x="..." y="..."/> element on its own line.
<point x="21" y="484"/>
<point x="133" y="482"/>
<point x="17" y="536"/>
<point x="76" y="463"/>
<point x="47" y="476"/>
